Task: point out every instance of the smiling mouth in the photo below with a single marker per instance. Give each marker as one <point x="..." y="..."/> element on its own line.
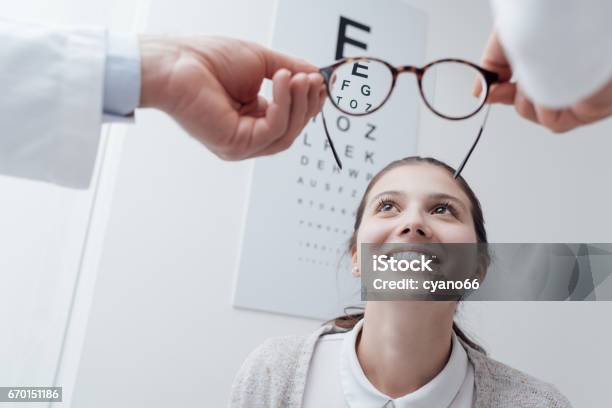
<point x="416" y="252"/>
<point x="415" y="256"/>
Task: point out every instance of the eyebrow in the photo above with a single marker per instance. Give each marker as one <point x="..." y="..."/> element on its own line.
<point x="385" y="193"/>
<point x="448" y="197"/>
<point x="434" y="196"/>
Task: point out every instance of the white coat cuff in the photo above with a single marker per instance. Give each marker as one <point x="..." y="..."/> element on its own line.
<point x="121" y="77"/>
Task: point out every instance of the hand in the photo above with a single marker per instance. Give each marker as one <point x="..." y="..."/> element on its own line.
<point x="210" y="86"/>
<point x="596" y="107"/>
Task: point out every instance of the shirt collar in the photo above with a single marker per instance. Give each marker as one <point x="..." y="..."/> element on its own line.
<point x="439" y="392"/>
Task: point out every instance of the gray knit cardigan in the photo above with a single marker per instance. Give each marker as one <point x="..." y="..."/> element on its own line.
<point x="274" y="375"/>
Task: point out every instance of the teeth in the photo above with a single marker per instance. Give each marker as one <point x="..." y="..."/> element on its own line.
<point x="411" y="255"/>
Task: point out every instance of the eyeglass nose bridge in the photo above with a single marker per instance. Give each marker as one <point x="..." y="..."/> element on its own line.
<point x="410" y="69"/>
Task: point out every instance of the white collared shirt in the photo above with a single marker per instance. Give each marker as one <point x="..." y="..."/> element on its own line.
<point x="336" y="379"/>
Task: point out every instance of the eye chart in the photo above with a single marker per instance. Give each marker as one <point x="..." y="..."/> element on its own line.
<point x="294" y="257"/>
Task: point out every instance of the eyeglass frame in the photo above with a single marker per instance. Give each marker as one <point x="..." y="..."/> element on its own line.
<point x="327" y="72"/>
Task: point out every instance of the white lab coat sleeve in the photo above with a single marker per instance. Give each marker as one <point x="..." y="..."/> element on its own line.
<point x="51" y="87"/>
<point x="560" y="50"/>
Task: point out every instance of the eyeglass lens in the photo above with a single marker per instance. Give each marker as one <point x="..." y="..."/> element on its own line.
<point x="359" y="87"/>
<point x="447" y="89"/>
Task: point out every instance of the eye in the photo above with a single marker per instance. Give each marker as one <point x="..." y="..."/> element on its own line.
<point x="386" y="205"/>
<point x="443" y="208"/>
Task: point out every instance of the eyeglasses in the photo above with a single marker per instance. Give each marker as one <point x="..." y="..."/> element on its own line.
<point x="362" y="85"/>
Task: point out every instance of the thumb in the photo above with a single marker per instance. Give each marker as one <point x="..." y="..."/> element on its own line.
<point x="276" y="60"/>
<point x="494" y="59"/>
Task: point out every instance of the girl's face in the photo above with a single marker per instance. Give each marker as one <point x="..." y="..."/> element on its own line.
<point x="415" y="203"/>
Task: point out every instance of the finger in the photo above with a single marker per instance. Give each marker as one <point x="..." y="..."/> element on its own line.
<point x="275" y="60"/>
<point x="502" y="93"/>
<point x="525" y="107"/>
<point x="322" y="97"/>
<point x="557" y="120"/>
<point x="314" y="98"/>
<point x="494" y="59"/>
<point x="280" y="107"/>
<point x="265" y="130"/>
<point x="545" y="116"/>
<point x="257" y="108"/>
<point x="299" y="105"/>
<point x="262" y="106"/>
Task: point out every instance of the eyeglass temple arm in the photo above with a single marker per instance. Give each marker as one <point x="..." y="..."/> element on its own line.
<point x="326" y="72"/>
<point x="467" y="157"/>
<point x="331" y="144"/>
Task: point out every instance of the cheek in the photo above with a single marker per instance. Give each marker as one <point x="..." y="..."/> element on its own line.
<point x="455" y="233"/>
<point x="374" y="231"/>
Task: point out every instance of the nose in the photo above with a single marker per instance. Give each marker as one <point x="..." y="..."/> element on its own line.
<point x="414" y="226"/>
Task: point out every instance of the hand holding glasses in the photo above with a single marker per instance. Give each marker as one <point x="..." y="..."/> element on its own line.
<point x="360" y="86"/>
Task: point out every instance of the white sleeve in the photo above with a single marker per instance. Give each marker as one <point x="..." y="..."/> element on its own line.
<point x="51" y="86"/>
<point x="560" y="50"/>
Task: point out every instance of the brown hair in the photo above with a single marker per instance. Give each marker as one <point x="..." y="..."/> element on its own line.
<point x="349" y="320"/>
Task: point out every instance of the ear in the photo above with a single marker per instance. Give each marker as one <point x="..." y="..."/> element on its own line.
<point x="355" y="269"/>
<point x="483" y="265"/>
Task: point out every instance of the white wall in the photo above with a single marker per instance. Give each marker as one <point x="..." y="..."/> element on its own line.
<point x="162" y="331"/>
<point x="43" y="229"/>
